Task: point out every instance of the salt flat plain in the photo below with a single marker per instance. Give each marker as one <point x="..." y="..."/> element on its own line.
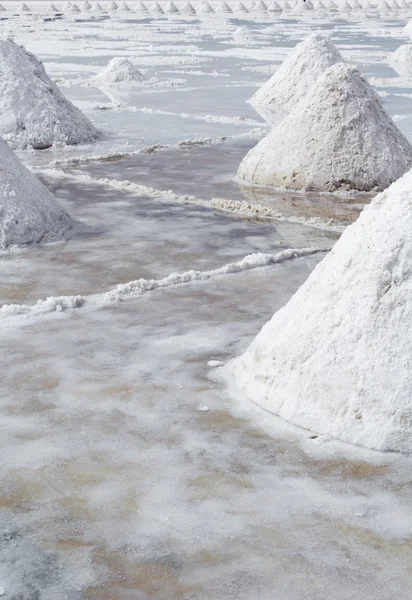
<point x="131" y="469"/>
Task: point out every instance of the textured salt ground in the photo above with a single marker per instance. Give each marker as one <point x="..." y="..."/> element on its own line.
<point x="184" y="504"/>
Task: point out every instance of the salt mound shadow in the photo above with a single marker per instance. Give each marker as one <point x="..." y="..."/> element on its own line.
<point x="29" y="213"/>
<point x="338" y="137"/>
<point x="34" y="111"/>
<point x="336" y="358"/>
<point x="292" y="81"/>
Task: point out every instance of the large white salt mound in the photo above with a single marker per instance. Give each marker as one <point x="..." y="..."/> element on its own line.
<point x="298" y="72"/>
<point x="337" y="358"/>
<point x="118" y="71"/>
<point x="34" y="112"/>
<point x="29" y="213"/>
<point x="261" y="6"/>
<point x="2" y="9"/>
<point x="338" y="137"/>
<point x="401" y="60"/>
<point x="224" y="7"/>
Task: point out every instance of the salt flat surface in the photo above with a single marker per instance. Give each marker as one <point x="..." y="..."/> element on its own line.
<point x="129" y="468"/>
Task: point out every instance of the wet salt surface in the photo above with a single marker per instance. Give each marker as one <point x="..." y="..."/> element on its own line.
<point x="115" y="484"/>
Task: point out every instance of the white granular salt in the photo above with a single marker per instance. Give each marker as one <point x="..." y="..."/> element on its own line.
<point x="29" y="213"/>
<point x="336" y="358"/>
<point x="298" y="72"/>
<point x="338" y="137"/>
<point x="119" y="71"/>
<point x="34" y="112"/>
<point x="401" y="60"/>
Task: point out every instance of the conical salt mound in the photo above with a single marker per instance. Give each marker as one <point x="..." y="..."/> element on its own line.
<point x="74" y="8"/>
<point x="96" y="7"/>
<point x="112" y="6"/>
<point x="142" y="8"/>
<point x="118" y="71"/>
<point x="401" y="60"/>
<point x="29" y="212"/>
<point x="156" y="8"/>
<point x="338" y="137"/>
<point x="336" y="358"/>
<point x="302" y="7"/>
<point x="52" y="9"/>
<point x="2" y="9"/>
<point x="24" y="8"/>
<point x="206" y="8"/>
<point x="85" y="6"/>
<point x="224" y="8"/>
<point x="123" y="7"/>
<point x="384" y="7"/>
<point x="261" y="6"/>
<point x="274" y="7"/>
<point x="187" y="9"/>
<point x="345" y="7"/>
<point x="240" y="7"/>
<point x="171" y="8"/>
<point x="298" y="72"/>
<point x="34" y="111"/>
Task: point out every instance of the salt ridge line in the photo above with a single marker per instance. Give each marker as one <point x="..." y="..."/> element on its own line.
<point x="233" y="207"/>
<point x="140" y="287"/>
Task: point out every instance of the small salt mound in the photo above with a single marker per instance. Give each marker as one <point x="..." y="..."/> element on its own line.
<point x="242" y="33"/>
<point x="302" y="7"/>
<point x="261" y="6"/>
<point x="156" y="8"/>
<point x="2" y="9"/>
<point x="85" y="6"/>
<point x="345" y="7"/>
<point x="298" y="72"/>
<point x="142" y="8"/>
<point x="34" y="111"/>
<point x="52" y="9"/>
<point x="171" y="8"/>
<point x="274" y="7"/>
<point x="403" y="5"/>
<point x="74" y="8"/>
<point x="123" y="7"/>
<point x="187" y="9"/>
<point x="338" y="137"/>
<point x="66" y="6"/>
<point x="24" y="8"/>
<point x="356" y="5"/>
<point x="401" y="60"/>
<point x="240" y="7"/>
<point x="112" y="6"/>
<point x="96" y="7"/>
<point x="206" y="8"/>
<point x="29" y="213"/>
<point x="224" y="7"/>
<point x="384" y="7"/>
<point x="336" y="358"/>
<point x="118" y="71"/>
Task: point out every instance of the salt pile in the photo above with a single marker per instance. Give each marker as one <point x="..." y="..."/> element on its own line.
<point x="74" y="8"/>
<point x="52" y="9"/>
<point x="302" y="7"/>
<point x="29" y="213"/>
<point x="140" y="7"/>
<point x="224" y="7"/>
<point x="24" y="8"/>
<point x="206" y="8"/>
<point x="96" y="7"/>
<point x="401" y="60"/>
<point x="242" y="34"/>
<point x="338" y="137"/>
<point x="123" y="7"/>
<point x="34" y="111"/>
<point x="240" y="7"/>
<point x="298" y="72"/>
<point x="274" y="7"/>
<point x="261" y="6"/>
<point x="336" y="358"/>
<point x="171" y="8"/>
<point x="112" y="6"/>
<point x="2" y="9"/>
<point x="156" y="8"/>
<point x="85" y="6"/>
<point x="118" y="71"/>
<point x="187" y="9"/>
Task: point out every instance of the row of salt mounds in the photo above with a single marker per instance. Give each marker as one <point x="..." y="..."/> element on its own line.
<point x="336" y="358"/>
<point x="29" y="213"/>
<point x="338" y="137"/>
<point x="401" y="60"/>
<point x="34" y="111"/>
<point x="119" y="71"/>
<point x="292" y="81"/>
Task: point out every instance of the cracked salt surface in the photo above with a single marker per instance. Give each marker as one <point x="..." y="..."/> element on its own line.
<point x="129" y="470"/>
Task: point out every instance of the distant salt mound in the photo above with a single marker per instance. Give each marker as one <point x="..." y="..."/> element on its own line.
<point x="206" y="8"/>
<point x="112" y="6"/>
<point x="224" y="8"/>
<point x="345" y="7"/>
<point x="157" y="9"/>
<point x="34" y="111"/>
<point x="302" y="7"/>
<point x="261" y="6"/>
<point x="384" y="7"/>
<point x="96" y="7"/>
<point x="29" y="213"/>
<point x="298" y="72"/>
<point x="240" y="7"/>
<point x="141" y="8"/>
<point x="119" y="71"/>
<point x="74" y="8"/>
<point x="123" y="7"/>
<point x="24" y="8"/>
<point x="2" y="9"/>
<point x="274" y="7"/>
<point x="187" y="9"/>
<point x="401" y="60"/>
<point x="338" y="137"/>
<point x="336" y="359"/>
<point x="85" y="6"/>
<point x="171" y="8"/>
<point x="242" y="34"/>
<point x="52" y="9"/>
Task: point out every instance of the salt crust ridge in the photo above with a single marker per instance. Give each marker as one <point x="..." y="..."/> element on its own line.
<point x="34" y="111"/>
<point x="29" y="213"/>
<point x="338" y="137"/>
<point x="292" y="81"/>
<point x="336" y="358"/>
<point x="142" y="286"/>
